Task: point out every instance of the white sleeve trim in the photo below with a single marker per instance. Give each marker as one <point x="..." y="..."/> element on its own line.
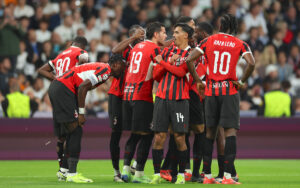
<point x="246" y="53"/>
<point x="51" y="64"/>
<point x="83" y="57"/>
<point x="200" y="50"/>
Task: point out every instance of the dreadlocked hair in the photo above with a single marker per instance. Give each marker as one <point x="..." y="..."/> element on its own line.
<point x="228" y="24"/>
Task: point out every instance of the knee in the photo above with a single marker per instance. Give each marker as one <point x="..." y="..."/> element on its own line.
<point x="180" y="141"/>
<point x="159" y="140"/>
<point x="211" y="133"/>
<point x="230" y="132"/>
<point x="199" y="129"/>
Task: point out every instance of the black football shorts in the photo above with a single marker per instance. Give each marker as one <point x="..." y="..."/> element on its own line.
<point x="115" y="112"/>
<point x="175" y="112"/>
<point x="196" y="109"/>
<point x="223" y="111"/>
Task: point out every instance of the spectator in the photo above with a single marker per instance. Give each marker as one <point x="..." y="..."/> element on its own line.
<point x="291" y="19"/>
<point x="49" y="8"/>
<point x="77" y="22"/>
<point x="23" y="10"/>
<point x="268" y="55"/>
<point x="102" y="23"/>
<point x="277" y="41"/>
<point x="16" y="104"/>
<point x="45" y="104"/>
<point x="253" y="42"/>
<point x="104" y="45"/>
<point x="165" y="17"/>
<point x="93" y="51"/>
<point x="22" y="57"/>
<point x="295" y="82"/>
<point x="24" y="23"/>
<point x="5" y="67"/>
<point x="37" y="91"/>
<point x="256" y="97"/>
<point x="197" y="7"/>
<point x="142" y="18"/>
<point x="42" y="34"/>
<point x="175" y="7"/>
<point x="242" y="31"/>
<point x="185" y="10"/>
<point x="255" y="18"/>
<point x="151" y="10"/>
<point x="46" y="55"/>
<point x="276" y="103"/>
<point x="284" y="69"/>
<point x="271" y="77"/>
<point x="88" y="10"/>
<point x="57" y="19"/>
<point x="33" y="47"/>
<point x="110" y="6"/>
<point x="103" y="57"/>
<point x="11" y="35"/>
<point x="38" y="16"/>
<point x="294" y="57"/>
<point x="65" y="30"/>
<point x="57" y="43"/>
<point x="129" y="17"/>
<point x="91" y="32"/>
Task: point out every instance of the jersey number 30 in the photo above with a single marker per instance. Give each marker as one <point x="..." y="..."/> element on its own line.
<point x="221" y="67"/>
<point x="136" y="59"/>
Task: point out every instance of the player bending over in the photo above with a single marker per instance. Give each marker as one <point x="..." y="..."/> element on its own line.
<point x="67" y="95"/>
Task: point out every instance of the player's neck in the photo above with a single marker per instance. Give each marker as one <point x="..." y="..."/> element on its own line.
<point x="183" y="45"/>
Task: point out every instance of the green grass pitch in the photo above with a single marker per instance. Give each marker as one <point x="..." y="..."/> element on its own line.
<point x="42" y="174"/>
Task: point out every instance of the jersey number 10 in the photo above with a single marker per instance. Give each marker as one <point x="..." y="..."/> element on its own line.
<point x="136" y="59"/>
<point x="221" y="67"/>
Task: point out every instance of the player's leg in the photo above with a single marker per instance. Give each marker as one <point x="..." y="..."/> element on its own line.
<point x="141" y="124"/>
<point x="73" y="150"/>
<point x="188" y="172"/>
<point x="168" y="161"/>
<point x="230" y="120"/>
<point x="220" y="151"/>
<point x="212" y="120"/>
<point x="115" y="117"/>
<point x="160" y="128"/>
<point x="179" y="112"/>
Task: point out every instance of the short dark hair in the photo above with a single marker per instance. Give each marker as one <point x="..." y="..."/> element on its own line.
<point x="80" y="40"/>
<point x="152" y="28"/>
<point x="228" y="22"/>
<point x="185" y="28"/>
<point x="184" y="19"/>
<point x="207" y="27"/>
<point x="115" y="58"/>
<point x="133" y="28"/>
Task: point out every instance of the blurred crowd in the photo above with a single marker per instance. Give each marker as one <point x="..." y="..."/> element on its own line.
<point x="35" y="31"/>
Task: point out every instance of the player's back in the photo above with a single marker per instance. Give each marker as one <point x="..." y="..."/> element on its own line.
<point x="67" y="59"/>
<point x="222" y="52"/>
<point x="139" y="80"/>
<point x="95" y="72"/>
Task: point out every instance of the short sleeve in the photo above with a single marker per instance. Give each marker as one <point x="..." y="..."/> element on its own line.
<point x="245" y="49"/>
<point x="202" y="46"/>
<point x="155" y="53"/>
<point x="102" y="75"/>
<point x="51" y="64"/>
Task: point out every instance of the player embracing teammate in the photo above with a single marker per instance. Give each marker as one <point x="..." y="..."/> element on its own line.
<point x="222" y="52"/>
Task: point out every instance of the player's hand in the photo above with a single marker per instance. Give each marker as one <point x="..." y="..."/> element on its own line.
<point x="81" y="120"/>
<point x="238" y="85"/>
<point x="158" y="59"/>
<point x="174" y="58"/>
<point x="139" y="33"/>
<point x="201" y="88"/>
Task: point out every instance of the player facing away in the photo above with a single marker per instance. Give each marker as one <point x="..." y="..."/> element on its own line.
<point x="72" y="56"/>
<point x="222" y="52"/>
<point x="115" y="95"/>
<point x="67" y="95"/>
<point x="138" y="101"/>
<point x="171" y="102"/>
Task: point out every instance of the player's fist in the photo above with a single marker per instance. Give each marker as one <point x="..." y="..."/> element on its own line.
<point x="238" y="85"/>
<point x="139" y="33"/>
<point x="81" y="120"/>
<point x="201" y="88"/>
<point x="158" y="58"/>
<point x="174" y="58"/>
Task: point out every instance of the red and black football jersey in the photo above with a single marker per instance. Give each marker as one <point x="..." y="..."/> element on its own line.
<point x="117" y="84"/>
<point x="222" y="52"/>
<point x="139" y="79"/>
<point x="67" y="59"/>
<point x="96" y="72"/>
<point x="200" y="69"/>
<point x="174" y="83"/>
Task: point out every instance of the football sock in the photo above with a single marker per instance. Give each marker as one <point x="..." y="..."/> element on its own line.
<point x="157" y="155"/>
<point x="130" y="148"/>
<point x="221" y="165"/>
<point x="173" y="156"/>
<point x="182" y="160"/>
<point x="230" y="153"/>
<point x="64" y="164"/>
<point x="197" y="153"/>
<point x="143" y="151"/>
<point x="207" y="155"/>
<point x="74" y="148"/>
<point x="115" y="148"/>
<point x="188" y="153"/>
<point x="60" y="152"/>
<point x="166" y="163"/>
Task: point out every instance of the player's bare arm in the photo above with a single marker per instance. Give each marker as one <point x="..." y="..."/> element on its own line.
<point x="167" y="43"/>
<point x="250" y="68"/>
<point x="119" y="48"/>
<point x="83" y="88"/>
<point x="195" y="54"/>
<point x="46" y="71"/>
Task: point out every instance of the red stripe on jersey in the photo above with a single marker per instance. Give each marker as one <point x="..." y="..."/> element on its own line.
<point x="173" y="87"/>
<point x="117" y="84"/>
<point x="139" y="79"/>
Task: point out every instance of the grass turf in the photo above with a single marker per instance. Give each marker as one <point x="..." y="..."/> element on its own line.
<point x="253" y="173"/>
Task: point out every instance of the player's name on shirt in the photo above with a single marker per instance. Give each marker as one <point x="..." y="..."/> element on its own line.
<point x="224" y="43"/>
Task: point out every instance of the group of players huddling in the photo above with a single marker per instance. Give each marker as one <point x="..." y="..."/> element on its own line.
<point x="195" y="75"/>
